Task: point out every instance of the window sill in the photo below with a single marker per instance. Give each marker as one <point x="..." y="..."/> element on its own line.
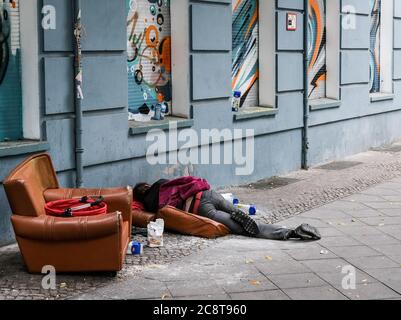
<point x="255" y="112"/>
<point x="377" y="97"/>
<point x="137" y="128"/>
<point x="15" y="148"/>
<point x="323" y="104"/>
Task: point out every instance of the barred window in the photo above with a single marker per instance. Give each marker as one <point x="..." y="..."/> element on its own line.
<point x="375" y="35"/>
<point x="245" y="51"/>
<point x="149" y="53"/>
<point x="10" y="71"/>
<point x="317" y="49"/>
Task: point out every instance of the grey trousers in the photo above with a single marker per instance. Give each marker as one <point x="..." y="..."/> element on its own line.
<point x="215" y="207"/>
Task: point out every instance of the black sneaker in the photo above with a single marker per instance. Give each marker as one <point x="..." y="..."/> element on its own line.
<point x="249" y="225"/>
<point x="307" y="232"/>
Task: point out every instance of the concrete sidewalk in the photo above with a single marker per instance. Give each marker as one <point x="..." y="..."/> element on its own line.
<point x="355" y="202"/>
<point x="362" y="231"/>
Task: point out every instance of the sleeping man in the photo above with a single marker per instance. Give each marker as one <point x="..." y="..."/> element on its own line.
<point x="194" y="195"/>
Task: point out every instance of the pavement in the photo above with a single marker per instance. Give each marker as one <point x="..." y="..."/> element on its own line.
<point x="361" y="240"/>
<point x="355" y="203"/>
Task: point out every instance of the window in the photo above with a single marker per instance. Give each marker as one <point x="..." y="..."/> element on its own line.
<point x="374" y="49"/>
<point x="149" y="53"/>
<point x="317" y="49"/>
<point x="19" y="71"/>
<point x="245" y="50"/>
<point x="381" y="46"/>
<point x="324" y="53"/>
<point x="10" y="71"/>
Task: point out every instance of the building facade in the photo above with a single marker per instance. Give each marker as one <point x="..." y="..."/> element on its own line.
<point x="195" y="54"/>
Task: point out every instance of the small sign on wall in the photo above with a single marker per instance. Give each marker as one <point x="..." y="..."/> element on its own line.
<point x="291" y="21"/>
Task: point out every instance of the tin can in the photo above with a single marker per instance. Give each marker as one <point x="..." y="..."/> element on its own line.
<point x="135" y="248"/>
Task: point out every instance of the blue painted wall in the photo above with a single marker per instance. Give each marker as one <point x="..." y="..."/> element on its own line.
<point x="113" y="157"/>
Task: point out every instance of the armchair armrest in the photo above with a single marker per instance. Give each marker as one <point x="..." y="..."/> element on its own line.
<point x="47" y="228"/>
<point x="191" y="224"/>
<point x="117" y="199"/>
<point x="141" y="219"/>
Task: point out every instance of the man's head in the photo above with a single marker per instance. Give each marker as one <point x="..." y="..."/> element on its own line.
<point x="140" y="191"/>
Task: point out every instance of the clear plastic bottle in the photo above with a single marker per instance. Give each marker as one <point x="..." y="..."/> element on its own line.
<point x="160" y="106"/>
<point x="249" y="208"/>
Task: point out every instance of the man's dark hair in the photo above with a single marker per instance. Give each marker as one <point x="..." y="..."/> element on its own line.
<point x="140" y="191"/>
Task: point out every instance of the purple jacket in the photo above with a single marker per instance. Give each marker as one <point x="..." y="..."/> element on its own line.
<point x="175" y="192"/>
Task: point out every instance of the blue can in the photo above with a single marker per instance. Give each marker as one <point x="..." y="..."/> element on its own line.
<point x="136" y="248"/>
<point x="252" y="210"/>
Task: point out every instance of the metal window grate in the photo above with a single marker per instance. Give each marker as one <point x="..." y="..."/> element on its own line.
<point x="149" y="52"/>
<point x="10" y="71"/>
<point x="375" y="38"/>
<point x="317" y="48"/>
<point x="245" y="50"/>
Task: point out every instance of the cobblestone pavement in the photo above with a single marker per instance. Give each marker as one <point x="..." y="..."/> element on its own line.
<point x="275" y="200"/>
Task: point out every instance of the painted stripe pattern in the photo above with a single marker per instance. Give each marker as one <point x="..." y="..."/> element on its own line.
<point x="375" y="35"/>
<point x="317" y="49"/>
<point x="245" y="50"/>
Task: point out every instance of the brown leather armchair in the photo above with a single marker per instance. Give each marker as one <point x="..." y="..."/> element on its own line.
<point x="84" y="244"/>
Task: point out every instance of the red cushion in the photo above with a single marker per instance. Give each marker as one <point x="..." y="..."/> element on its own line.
<point x="136" y="205"/>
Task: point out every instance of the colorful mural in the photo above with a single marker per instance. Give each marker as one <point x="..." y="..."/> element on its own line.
<point x="245" y="62"/>
<point x="375" y="7"/>
<point x="149" y="52"/>
<point x="5" y="30"/>
<point x="10" y="75"/>
<point x="317" y="48"/>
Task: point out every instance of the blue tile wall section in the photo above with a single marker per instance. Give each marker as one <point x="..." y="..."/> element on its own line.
<point x="104" y="28"/>
<point x="397" y="9"/>
<point x="359" y="6"/>
<point x="358" y="38"/>
<point x="290" y="4"/>
<point x="60" y="135"/>
<point x="59" y="39"/>
<point x="397" y="65"/>
<point x="289" y="40"/>
<point x="105" y="85"/>
<point x="211" y="76"/>
<point x="214" y="35"/>
<point x="397" y="35"/>
<point x="353" y="66"/>
<point x="112" y="157"/>
<point x="397" y="40"/>
<point x="58" y="97"/>
<point x="290" y="77"/>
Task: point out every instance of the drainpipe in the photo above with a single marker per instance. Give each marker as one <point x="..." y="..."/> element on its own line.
<point x="305" y="131"/>
<point x="79" y="149"/>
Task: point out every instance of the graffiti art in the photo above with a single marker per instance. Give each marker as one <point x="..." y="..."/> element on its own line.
<point x="10" y="71"/>
<point x="245" y="50"/>
<point x="149" y="52"/>
<point x="4" y="36"/>
<point x="317" y="48"/>
<point x="375" y="7"/>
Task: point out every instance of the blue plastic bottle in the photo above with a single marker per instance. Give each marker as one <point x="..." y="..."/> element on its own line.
<point x="236" y="104"/>
<point x="249" y="208"/>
